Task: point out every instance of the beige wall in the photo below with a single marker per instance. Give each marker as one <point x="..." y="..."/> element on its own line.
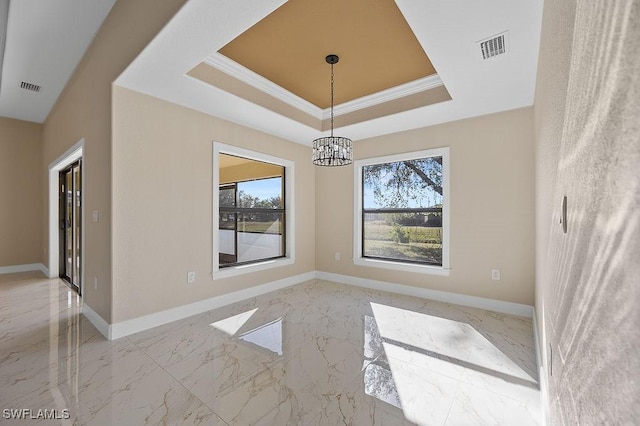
<point x="492" y="206"/>
<point x="162" y="204"/>
<point x="587" y="133"/>
<point x="84" y="111"/>
<point x="20" y="192"/>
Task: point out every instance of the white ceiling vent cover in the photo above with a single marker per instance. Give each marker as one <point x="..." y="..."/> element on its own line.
<point x="494" y="45"/>
<point x="30" y="86"/>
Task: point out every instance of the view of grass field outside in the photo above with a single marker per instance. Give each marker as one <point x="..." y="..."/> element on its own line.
<point x="402" y="211"/>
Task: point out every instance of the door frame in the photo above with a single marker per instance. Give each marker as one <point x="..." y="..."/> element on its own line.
<point x="70" y="156"/>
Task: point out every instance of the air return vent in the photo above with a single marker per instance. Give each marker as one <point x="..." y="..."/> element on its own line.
<point x="494" y="46"/>
<point x="30" y="86"/>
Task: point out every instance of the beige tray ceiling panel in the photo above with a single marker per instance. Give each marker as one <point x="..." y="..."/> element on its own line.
<point x="377" y="48"/>
<point x="214" y="77"/>
<point x="417" y="100"/>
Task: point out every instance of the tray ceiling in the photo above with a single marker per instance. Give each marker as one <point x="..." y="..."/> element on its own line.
<point x="377" y="49"/>
<point x="451" y="33"/>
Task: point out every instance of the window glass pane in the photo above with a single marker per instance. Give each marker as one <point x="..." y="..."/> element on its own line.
<point x="227" y="220"/>
<point x="246" y="233"/>
<point x="414" y="237"/>
<point x="263" y="223"/>
<point x="403" y="184"/>
<point x="227" y="196"/>
<point x="262" y="193"/>
<point x="227" y="246"/>
<point x="260" y="236"/>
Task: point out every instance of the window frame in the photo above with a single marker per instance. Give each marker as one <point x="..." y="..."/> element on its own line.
<point x="237" y="211"/>
<point x="289" y="228"/>
<point x="358" y="258"/>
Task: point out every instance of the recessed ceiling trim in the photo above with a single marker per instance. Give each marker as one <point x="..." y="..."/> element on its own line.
<point x="220" y="80"/>
<point x="391" y="94"/>
<point x="234" y="69"/>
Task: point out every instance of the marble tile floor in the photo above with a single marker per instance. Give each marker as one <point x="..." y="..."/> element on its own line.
<point x="318" y="353"/>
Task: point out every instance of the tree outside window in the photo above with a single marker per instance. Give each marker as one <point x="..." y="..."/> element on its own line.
<point x="402" y="204"/>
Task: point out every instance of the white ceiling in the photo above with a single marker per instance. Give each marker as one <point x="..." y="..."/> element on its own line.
<point x="47" y="38"/>
<point x="45" y="41"/>
<point x="447" y="30"/>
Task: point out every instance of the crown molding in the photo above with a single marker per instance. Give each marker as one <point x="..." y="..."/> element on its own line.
<point x="387" y="95"/>
<point x="234" y="69"/>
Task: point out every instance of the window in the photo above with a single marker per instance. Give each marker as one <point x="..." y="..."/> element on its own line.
<point x="402" y="214"/>
<point x="252" y="210"/>
<point x="252" y="214"/>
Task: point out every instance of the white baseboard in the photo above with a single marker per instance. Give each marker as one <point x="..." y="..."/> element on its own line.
<point x="98" y="322"/>
<point x="146" y="322"/>
<point x="536" y="337"/>
<point x="135" y="325"/>
<point x="44" y="270"/>
<point x="542" y="372"/>
<point x="442" y="296"/>
<point x="24" y="268"/>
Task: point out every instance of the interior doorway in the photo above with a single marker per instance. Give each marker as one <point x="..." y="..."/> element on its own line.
<point x="70" y="208"/>
<point x="53" y="250"/>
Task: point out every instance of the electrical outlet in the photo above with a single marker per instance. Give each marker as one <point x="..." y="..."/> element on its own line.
<point x="337" y="255"/>
<point x="191" y="277"/>
<point x="95" y="283"/>
<point x="95" y="215"/>
<point x="495" y="274"/>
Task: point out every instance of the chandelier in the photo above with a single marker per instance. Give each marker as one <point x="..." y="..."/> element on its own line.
<point x="332" y="150"/>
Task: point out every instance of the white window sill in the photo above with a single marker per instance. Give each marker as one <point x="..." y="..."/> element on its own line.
<point x="234" y="271"/>
<point x="401" y="266"/>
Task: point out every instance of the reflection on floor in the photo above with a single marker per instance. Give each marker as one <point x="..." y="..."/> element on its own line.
<point x="318" y="353"/>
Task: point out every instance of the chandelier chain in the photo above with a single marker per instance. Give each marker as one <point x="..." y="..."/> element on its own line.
<point x="331" y="100"/>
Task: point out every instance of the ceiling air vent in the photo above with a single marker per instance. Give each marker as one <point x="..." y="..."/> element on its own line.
<point x="494" y="46"/>
<point x="30" y="86"/>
